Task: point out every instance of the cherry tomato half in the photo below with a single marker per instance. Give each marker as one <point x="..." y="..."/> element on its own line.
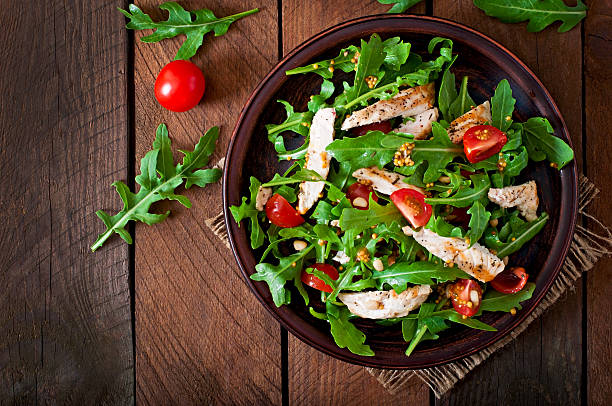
<point x="384" y="126"/>
<point x="359" y="195"/>
<point x="281" y="213"/>
<point x="511" y="280"/>
<point x="314" y="282"/>
<point x="179" y="86"/>
<point x="466" y="296"/>
<point x="411" y="204"/>
<point x="483" y="141"/>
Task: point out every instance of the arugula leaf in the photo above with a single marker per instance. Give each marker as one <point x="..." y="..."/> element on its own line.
<point x="307" y="175"/>
<point x="438" y="151"/>
<point x="369" y="63"/>
<point x="276" y="276"/>
<point x="447" y="94"/>
<point x="154" y="188"/>
<point x="400" y="6"/>
<point x="318" y="101"/>
<point x="520" y="232"/>
<point x="541" y="143"/>
<point x="373" y="148"/>
<point x="194" y="25"/>
<point x="396" y="52"/>
<point x="298" y="123"/>
<point x="442" y="228"/>
<point x="478" y="222"/>
<point x="358" y="220"/>
<point x="466" y="195"/>
<point x="495" y="301"/>
<point x="502" y="106"/>
<point x="342" y="62"/>
<point x="248" y="210"/>
<point x="463" y="103"/>
<point x="345" y="334"/>
<point x="540" y="13"/>
<point x="400" y="274"/>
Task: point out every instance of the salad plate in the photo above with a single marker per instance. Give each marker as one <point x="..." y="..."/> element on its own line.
<point x="486" y="64"/>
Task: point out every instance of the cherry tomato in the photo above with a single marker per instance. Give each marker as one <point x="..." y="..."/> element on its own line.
<point x="314" y="282"/>
<point x="459" y="217"/>
<point x="362" y="192"/>
<point x="281" y="213"/>
<point x="384" y="126"/>
<point x="466" y="296"/>
<point x="179" y="86"/>
<point x="511" y="280"/>
<point x="483" y="141"/>
<point x="412" y="205"/>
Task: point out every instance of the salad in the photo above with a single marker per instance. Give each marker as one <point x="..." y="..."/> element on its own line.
<point x="403" y="204"/>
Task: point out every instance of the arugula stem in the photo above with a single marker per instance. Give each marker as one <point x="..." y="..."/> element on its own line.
<point x="367" y="95"/>
<point x="417" y="338"/>
<point x="281" y="127"/>
<point x="232" y="17"/>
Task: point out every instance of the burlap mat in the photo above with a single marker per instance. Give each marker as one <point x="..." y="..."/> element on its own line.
<point x="587" y="248"/>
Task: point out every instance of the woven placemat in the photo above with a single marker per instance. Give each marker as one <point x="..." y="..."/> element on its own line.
<point x="587" y="247"/>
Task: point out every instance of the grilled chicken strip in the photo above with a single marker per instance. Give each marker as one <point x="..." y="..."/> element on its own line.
<point x="477" y="260"/>
<point x="263" y="195"/>
<point x="421" y="126"/>
<point x="407" y="103"/>
<point x="385" y="304"/>
<point x="383" y="181"/>
<point x="524" y="197"/>
<point x="317" y="159"/>
<point x="477" y="116"/>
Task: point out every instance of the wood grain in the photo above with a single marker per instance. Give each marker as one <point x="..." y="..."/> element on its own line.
<point x="65" y="334"/>
<point x="315" y="378"/>
<point x="201" y="335"/>
<point x="598" y="81"/>
<point x="545" y="362"/>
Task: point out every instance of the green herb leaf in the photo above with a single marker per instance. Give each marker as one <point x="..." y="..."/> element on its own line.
<point x="465" y="196"/>
<point x="438" y="151"/>
<point x="345" y="334"/>
<point x="400" y="6"/>
<point x="400" y="274"/>
<point x="396" y="53"/>
<point x="299" y="123"/>
<point x="342" y="61"/>
<point x="463" y="103"/>
<point x="447" y="94"/>
<point x="371" y="58"/>
<point x="194" y="25"/>
<point x="248" y="210"/>
<point x="374" y="148"/>
<point x="154" y="188"/>
<point x="478" y="222"/>
<point x="299" y="176"/>
<point x="495" y="301"/>
<point x="541" y="143"/>
<point x="520" y="232"/>
<point x="502" y="106"/>
<point x="540" y="13"/>
<point x="359" y="220"/>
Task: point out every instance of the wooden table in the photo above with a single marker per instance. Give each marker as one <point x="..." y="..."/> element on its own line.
<point x="170" y="319"/>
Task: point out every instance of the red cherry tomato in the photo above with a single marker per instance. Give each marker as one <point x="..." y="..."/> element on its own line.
<point x="483" y="141"/>
<point x="466" y="296"/>
<point x="511" y="280"/>
<point x="412" y="205"/>
<point x="281" y="213"/>
<point x="384" y="126"/>
<point x="179" y="86"/>
<point x="314" y="282"/>
<point x="362" y="193"/>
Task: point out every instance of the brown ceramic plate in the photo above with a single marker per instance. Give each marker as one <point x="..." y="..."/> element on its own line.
<point x="486" y="62"/>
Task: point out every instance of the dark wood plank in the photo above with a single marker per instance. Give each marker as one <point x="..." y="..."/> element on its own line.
<point x="65" y="334"/>
<point x="544" y="364"/>
<point x="315" y="378"/>
<point x="200" y="332"/>
<point x="598" y="81"/>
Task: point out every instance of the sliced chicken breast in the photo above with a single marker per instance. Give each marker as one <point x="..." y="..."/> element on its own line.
<point x="383" y="181"/>
<point x="317" y="159"/>
<point x="385" y="304"/>
<point x="421" y="126"/>
<point x="477" y="116"/>
<point x="263" y="195"/>
<point x="524" y="197"/>
<point x="476" y="260"/>
<point x="407" y="103"/>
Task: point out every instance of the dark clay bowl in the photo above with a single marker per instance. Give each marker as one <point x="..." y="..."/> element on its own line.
<point x="485" y="62"/>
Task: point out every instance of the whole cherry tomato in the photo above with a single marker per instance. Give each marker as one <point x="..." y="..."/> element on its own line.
<point x="466" y="296"/>
<point x="359" y="195"/>
<point x="314" y="282"/>
<point x="281" y="213"/>
<point x="411" y="204"/>
<point x="511" y="280"/>
<point x="483" y="141"/>
<point x="179" y="86"/>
